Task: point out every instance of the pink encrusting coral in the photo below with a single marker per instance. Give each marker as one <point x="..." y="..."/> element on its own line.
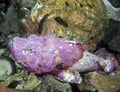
<point x="63" y="58"/>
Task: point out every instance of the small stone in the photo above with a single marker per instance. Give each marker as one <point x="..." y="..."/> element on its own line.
<point x="49" y="84"/>
<point x="111" y="39"/>
<point x="6" y="67"/>
<point x="2" y="51"/>
<point x="32" y="82"/>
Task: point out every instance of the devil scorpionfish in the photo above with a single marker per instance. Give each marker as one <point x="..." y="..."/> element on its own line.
<point x="62" y="58"/>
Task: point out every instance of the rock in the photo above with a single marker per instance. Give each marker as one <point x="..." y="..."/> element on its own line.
<point x="2" y="51"/>
<point x="9" y="27"/>
<point x="14" y="79"/>
<point x="32" y="83"/>
<point x="108" y="83"/>
<point x="111" y="39"/>
<point x="25" y="3"/>
<point x="4" y="4"/>
<point x="76" y="20"/>
<point x="23" y="7"/>
<point x="10" y="20"/>
<point x="4" y="89"/>
<point x="113" y="9"/>
<point x="6" y="67"/>
<point x="49" y="84"/>
<point x="22" y="81"/>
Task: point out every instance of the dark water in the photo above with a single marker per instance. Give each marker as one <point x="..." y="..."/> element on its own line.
<point x="115" y="3"/>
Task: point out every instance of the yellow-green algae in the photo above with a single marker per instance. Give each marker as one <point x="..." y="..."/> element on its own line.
<point x="105" y="82"/>
<point x="86" y="20"/>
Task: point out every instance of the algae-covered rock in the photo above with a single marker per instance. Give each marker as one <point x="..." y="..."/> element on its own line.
<point x="9" y="26"/>
<point x="10" y="18"/>
<point x="30" y="83"/>
<point x="107" y="83"/>
<point x="19" y="76"/>
<point x="82" y="20"/>
<point x="22" y="81"/>
<point x="49" y="84"/>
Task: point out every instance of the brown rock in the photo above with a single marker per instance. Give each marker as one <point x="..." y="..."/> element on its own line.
<point x="108" y="83"/>
<point x="4" y="89"/>
<point x="71" y="19"/>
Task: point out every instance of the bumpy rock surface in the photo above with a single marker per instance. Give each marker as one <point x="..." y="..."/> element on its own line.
<point x="8" y="26"/>
<point x="111" y="37"/>
<point x="107" y="83"/>
<point x="81" y="20"/>
<point x="49" y="84"/>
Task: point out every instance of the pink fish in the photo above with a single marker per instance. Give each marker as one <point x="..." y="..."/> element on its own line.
<point x="60" y="57"/>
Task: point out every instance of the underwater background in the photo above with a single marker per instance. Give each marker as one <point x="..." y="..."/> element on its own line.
<point x="59" y="46"/>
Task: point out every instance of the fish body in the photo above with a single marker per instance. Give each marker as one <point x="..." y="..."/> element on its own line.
<point x="63" y="58"/>
<point x="43" y="54"/>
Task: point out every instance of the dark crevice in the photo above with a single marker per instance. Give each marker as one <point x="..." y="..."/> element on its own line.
<point x="81" y="5"/>
<point x="75" y="88"/>
<point x="115" y="3"/>
<point x="13" y="84"/>
<point x="67" y="4"/>
<point x="90" y="6"/>
<point x="42" y="22"/>
<point x="61" y="21"/>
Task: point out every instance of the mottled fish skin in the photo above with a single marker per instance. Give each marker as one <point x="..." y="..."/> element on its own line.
<point x="43" y="54"/>
<point x="63" y="58"/>
<point x="90" y="62"/>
